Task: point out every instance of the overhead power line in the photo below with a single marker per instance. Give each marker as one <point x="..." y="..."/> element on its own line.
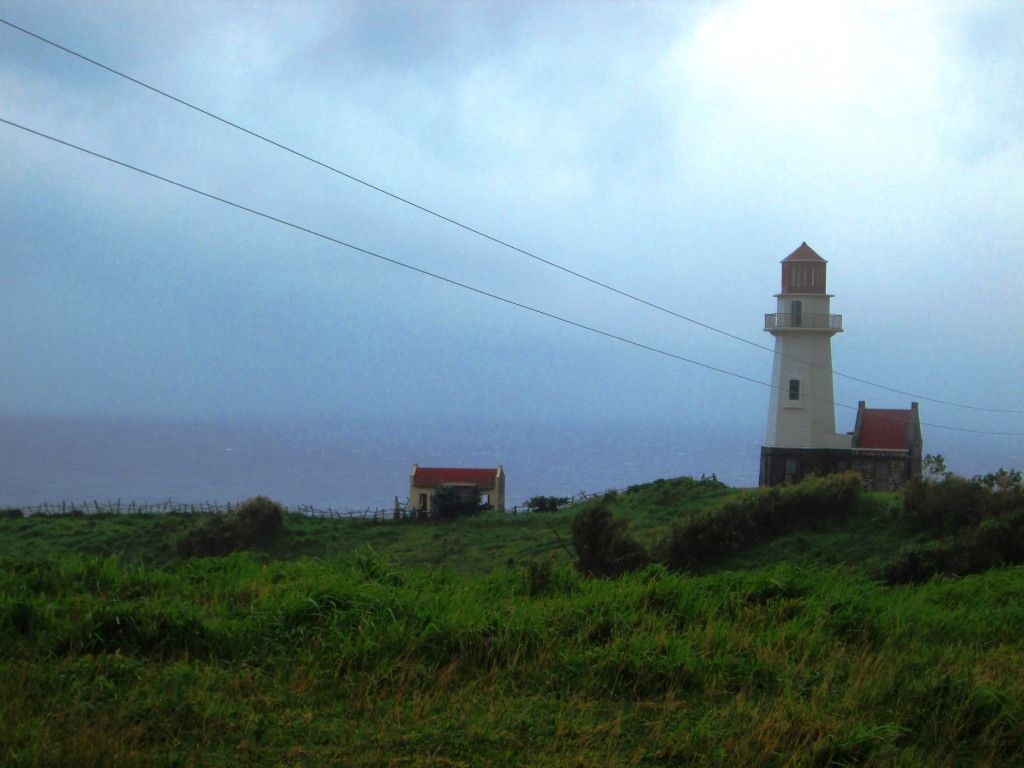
<point x="492" y="238"/>
<point x="448" y="280"/>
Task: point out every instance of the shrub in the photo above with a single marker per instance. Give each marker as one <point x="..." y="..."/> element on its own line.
<point x="985" y="516"/>
<point x="603" y="548"/>
<point x="11" y="513"/>
<point x="954" y="503"/>
<point x="546" y="503"/>
<point x="997" y="541"/>
<point x="750" y="519"/>
<point x="214" y="538"/>
<point x="255" y="522"/>
<point x="920" y="563"/>
<point x="449" y="503"/>
<point x="1001" y="480"/>
<point x="259" y="519"/>
<point x="951" y="503"/>
<point x="933" y="467"/>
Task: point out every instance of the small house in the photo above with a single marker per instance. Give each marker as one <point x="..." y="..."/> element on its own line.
<point x="487" y="484"/>
<point x="887" y="446"/>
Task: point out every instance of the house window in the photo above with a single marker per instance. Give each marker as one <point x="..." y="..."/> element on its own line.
<point x="794" y="389"/>
<point x="423" y="501"/>
<point x="797" y="308"/>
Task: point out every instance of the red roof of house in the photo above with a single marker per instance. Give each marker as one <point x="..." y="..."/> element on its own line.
<point x="432" y="477"/>
<point x="803" y="253"/>
<point x="885" y="428"/>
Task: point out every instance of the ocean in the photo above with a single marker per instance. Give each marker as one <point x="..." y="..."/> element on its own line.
<point x="359" y="464"/>
<point x="345" y="465"/>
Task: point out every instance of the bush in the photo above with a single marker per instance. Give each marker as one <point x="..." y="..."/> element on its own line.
<point x="954" y="503"/>
<point x="1001" y="480"/>
<point x="603" y="548"/>
<point x="754" y="518"/>
<point x="449" y="503"/>
<point x="11" y="513"/>
<point x="255" y="522"/>
<point x="546" y="503"/>
<point x="983" y="517"/>
<point x="996" y="542"/>
<point x="259" y="519"/>
<point x="214" y="538"/>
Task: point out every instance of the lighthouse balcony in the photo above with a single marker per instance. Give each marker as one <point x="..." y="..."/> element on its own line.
<point x="802" y="321"/>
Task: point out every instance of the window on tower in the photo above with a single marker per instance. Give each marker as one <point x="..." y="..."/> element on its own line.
<point x="794" y="389"/>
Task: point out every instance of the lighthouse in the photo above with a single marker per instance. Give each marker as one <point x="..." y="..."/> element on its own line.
<point x="802" y="412"/>
<point x="885" y="444"/>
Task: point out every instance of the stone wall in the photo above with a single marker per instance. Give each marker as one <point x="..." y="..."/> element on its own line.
<point x="881" y="470"/>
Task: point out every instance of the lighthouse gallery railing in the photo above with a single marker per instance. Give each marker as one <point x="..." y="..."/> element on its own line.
<point x="810" y="320"/>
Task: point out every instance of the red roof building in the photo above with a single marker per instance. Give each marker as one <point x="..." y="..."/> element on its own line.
<point x="885" y="449"/>
<point x="489" y="484"/>
<point x="886" y="429"/>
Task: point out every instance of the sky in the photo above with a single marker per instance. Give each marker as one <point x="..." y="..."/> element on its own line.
<point x="676" y="151"/>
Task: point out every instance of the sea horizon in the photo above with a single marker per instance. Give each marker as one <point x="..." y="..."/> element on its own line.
<point x="343" y="464"/>
<point x="357" y="464"/>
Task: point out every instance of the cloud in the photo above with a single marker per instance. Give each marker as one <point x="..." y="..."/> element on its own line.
<point x="676" y="151"/>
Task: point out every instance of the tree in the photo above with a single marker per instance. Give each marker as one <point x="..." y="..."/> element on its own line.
<point x="449" y="502"/>
<point x="933" y="467"/>
<point x="1001" y="480"/>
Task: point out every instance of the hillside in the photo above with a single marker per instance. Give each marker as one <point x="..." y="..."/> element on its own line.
<point x="477" y="643"/>
<point x="470" y="545"/>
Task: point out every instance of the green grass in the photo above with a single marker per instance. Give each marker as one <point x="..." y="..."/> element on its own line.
<point x="476" y="643"/>
<point x="239" y="660"/>
<point x="470" y="545"/>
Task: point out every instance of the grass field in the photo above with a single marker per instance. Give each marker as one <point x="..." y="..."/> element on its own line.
<point x="476" y="643"/>
<point x="469" y="545"/>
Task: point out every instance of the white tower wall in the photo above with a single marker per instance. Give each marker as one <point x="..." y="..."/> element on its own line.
<point x="801" y="413"/>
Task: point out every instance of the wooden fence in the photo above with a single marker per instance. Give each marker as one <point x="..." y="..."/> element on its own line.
<point x="170" y="507"/>
<point x="213" y="508"/>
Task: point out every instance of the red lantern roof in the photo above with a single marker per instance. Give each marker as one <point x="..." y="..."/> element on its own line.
<point x="803" y="253"/>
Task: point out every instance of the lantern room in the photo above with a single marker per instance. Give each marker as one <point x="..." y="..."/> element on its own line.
<point x="803" y="271"/>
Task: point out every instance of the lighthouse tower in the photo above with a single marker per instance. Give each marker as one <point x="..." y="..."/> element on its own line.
<point x="801" y="414"/>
